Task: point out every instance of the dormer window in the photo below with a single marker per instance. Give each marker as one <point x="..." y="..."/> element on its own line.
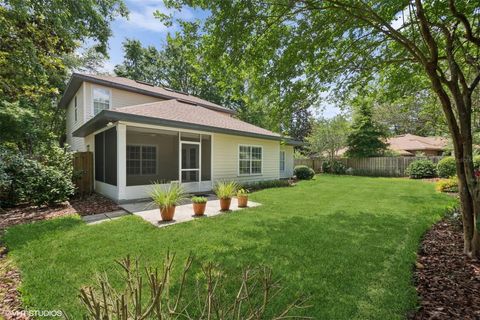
<point x="101" y="100"/>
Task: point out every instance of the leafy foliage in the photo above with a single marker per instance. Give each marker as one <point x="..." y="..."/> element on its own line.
<point x="328" y="136"/>
<point x="265" y="184"/>
<point x="476" y="162"/>
<point x="366" y="138"/>
<point x="303" y="172"/>
<point x="420" y="169"/>
<point x="199" y="199"/>
<point x="226" y="189"/>
<point x="447" y="167"/>
<point x="167" y="196"/>
<point x="185" y="63"/>
<point x="37" y="40"/>
<point x="447" y="185"/>
<point x="333" y="166"/>
<point x="242" y="192"/>
<point x="39" y="181"/>
<point x="346" y="45"/>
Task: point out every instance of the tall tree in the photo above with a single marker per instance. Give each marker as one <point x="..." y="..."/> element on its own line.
<point x="328" y="136"/>
<point x="366" y="138"/>
<point x="185" y="63"/>
<point x="347" y="41"/>
<point x="179" y="64"/>
<point x="37" y="40"/>
<point x="402" y="101"/>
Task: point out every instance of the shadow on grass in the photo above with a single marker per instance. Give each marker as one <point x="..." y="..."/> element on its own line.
<point x="350" y="264"/>
<point x="20" y="235"/>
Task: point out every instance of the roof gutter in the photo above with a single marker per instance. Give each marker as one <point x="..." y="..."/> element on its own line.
<point x="106" y="116"/>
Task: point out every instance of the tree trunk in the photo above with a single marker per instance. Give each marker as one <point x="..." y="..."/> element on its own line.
<point x="460" y="131"/>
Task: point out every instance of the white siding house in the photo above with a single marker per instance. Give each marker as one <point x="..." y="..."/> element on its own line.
<point x="140" y="134"/>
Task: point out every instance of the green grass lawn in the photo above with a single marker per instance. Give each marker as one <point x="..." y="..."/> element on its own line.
<point x="349" y="242"/>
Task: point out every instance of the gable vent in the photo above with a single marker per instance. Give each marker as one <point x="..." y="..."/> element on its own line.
<point x="187" y="102"/>
<point x="176" y="91"/>
<point x="145" y="83"/>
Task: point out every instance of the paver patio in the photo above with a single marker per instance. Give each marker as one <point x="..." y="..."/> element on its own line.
<point x="183" y="212"/>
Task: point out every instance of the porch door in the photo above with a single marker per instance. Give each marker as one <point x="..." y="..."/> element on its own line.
<point x="190" y="162"/>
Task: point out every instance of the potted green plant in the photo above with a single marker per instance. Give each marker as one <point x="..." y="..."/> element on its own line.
<point x="225" y="191"/>
<point x="167" y="198"/>
<point x="242" y="198"/>
<point x="199" y="204"/>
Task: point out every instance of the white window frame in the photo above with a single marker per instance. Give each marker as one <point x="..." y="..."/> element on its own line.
<point x="93" y="98"/>
<point x="180" y="169"/>
<point x="238" y="160"/>
<point x="282" y="161"/>
<point x="75" y="109"/>
<point x="141" y="159"/>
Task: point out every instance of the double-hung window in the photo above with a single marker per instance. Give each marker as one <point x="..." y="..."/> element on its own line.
<point x="282" y="161"/>
<point x="141" y="160"/>
<point x="249" y="160"/>
<point x="101" y="100"/>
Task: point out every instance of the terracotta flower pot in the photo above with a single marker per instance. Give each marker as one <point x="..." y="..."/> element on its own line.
<point x="242" y="201"/>
<point x="167" y="213"/>
<point x="199" y="208"/>
<point x="225" y="204"/>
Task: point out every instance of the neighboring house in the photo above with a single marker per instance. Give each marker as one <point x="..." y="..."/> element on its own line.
<point x="410" y="145"/>
<point x="141" y="134"/>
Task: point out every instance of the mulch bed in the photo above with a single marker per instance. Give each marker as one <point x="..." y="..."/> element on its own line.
<point x="89" y="205"/>
<point x="447" y="281"/>
<point x="10" y="302"/>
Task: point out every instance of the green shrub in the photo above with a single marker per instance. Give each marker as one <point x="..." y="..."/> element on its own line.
<point x="303" y="172"/>
<point x="447" y="185"/>
<point x="30" y="180"/>
<point x="333" y="166"/>
<point x="447" y="167"/>
<point x="420" y="169"/>
<point x="266" y="184"/>
<point x="199" y="199"/>
<point x="476" y="162"/>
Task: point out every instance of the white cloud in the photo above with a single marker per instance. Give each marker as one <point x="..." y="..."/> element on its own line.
<point x="142" y="17"/>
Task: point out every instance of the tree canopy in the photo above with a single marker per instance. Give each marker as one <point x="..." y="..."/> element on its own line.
<point x="187" y="63"/>
<point x="328" y="136"/>
<point x="38" y="40"/>
<point x="304" y="45"/>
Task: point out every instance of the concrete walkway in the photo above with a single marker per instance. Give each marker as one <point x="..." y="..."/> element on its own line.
<point x="183" y="213"/>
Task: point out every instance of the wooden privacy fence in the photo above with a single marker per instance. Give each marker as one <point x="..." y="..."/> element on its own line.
<point x="314" y="163"/>
<point x="378" y="166"/>
<point x="83" y="172"/>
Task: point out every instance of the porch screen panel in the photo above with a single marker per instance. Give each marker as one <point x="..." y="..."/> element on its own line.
<point x="106" y="156"/>
<point x="111" y="156"/>
<point x="99" y="152"/>
<point x="206" y="158"/>
<point x="152" y="156"/>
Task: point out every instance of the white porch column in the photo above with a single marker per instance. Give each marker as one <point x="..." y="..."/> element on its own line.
<point x="121" y="160"/>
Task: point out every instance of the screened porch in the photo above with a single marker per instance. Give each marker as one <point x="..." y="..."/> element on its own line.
<point x="129" y="159"/>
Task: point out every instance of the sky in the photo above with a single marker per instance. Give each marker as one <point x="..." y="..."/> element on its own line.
<point x="142" y="25"/>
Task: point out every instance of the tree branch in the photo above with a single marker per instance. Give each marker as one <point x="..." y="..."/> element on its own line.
<point x="463" y="19"/>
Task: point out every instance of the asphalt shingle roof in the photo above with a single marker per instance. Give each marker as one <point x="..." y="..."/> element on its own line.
<point x="178" y="110"/>
<point x="135" y="86"/>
